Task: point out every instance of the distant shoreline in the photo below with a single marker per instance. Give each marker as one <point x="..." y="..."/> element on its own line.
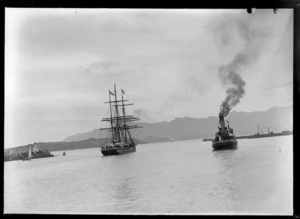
<point x="258" y="135"/>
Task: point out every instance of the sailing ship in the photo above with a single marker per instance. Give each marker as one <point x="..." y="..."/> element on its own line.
<point x="121" y="140"/>
<point x="225" y="138"/>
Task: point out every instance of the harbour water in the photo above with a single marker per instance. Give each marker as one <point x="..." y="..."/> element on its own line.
<point x="180" y="177"/>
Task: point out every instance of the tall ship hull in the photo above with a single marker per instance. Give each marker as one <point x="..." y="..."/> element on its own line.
<point x="117" y="150"/>
<point x="120" y="138"/>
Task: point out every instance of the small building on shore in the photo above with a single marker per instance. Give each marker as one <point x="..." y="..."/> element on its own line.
<point x="35" y="148"/>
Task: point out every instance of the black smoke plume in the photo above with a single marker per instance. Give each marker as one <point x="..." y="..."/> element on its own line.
<point x="254" y="39"/>
<point x="229" y="75"/>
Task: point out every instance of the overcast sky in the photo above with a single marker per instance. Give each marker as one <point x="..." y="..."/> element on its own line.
<point x="60" y="63"/>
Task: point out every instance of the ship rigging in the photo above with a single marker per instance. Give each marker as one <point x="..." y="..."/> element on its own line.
<point x="121" y="139"/>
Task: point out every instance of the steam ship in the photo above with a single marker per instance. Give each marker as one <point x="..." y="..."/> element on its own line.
<point x="120" y="140"/>
<point x="225" y="138"/>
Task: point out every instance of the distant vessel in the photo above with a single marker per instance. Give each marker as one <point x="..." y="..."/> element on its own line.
<point x="121" y="140"/>
<point x="259" y="134"/>
<point x="224" y="139"/>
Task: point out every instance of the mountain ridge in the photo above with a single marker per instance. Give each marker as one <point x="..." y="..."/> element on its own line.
<point x="278" y="118"/>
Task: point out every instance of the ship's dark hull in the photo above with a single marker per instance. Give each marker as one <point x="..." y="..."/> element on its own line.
<point x="224" y="144"/>
<point x="117" y="150"/>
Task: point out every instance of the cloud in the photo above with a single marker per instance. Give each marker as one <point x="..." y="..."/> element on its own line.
<point x="131" y="23"/>
<point x="185" y="97"/>
<point x="165" y="60"/>
<point x="288" y="84"/>
<point x="142" y="113"/>
<point x="97" y="66"/>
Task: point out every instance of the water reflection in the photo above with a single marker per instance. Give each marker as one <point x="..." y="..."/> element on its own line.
<point x="157" y="179"/>
<point x="224" y="180"/>
<point x="248" y="185"/>
<point x="123" y="182"/>
<point x="125" y="194"/>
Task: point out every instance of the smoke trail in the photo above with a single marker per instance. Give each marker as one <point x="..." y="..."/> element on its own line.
<point x="254" y="39"/>
<point x="229" y="75"/>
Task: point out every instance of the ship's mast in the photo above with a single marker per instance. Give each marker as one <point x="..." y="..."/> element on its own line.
<point x="125" y="135"/>
<point x="111" y="120"/>
<point x="115" y="120"/>
<point x="117" y="114"/>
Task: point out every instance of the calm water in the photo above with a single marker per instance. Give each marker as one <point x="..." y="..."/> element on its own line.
<point x="163" y="178"/>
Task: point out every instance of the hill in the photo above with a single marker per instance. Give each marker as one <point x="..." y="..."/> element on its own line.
<point x="243" y="123"/>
